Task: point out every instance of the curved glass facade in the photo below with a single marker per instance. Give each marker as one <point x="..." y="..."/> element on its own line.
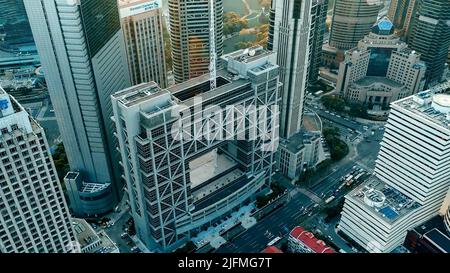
<point x="352" y="19"/>
<point x="100" y="21"/>
<point x="14" y="26"/>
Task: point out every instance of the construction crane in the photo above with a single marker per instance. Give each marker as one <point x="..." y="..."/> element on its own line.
<point x="212" y="45"/>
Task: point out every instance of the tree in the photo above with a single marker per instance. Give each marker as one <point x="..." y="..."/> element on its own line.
<point x="233" y="22"/>
<point x="338" y="148"/>
<point x="61" y="162"/>
<point x="358" y="110"/>
<point x="167" y="48"/>
<point x="333" y="102"/>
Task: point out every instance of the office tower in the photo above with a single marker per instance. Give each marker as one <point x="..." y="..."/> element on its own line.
<point x="82" y="51"/>
<point x="290" y="31"/>
<point x="181" y="176"/>
<point x="318" y="27"/>
<point x="352" y="19"/>
<point x="411" y="174"/>
<point x="142" y="23"/>
<point x="33" y="213"/>
<point x="400" y="13"/>
<point x="14" y="27"/>
<point x="381" y="69"/>
<point x="430" y="36"/>
<point x="189" y="36"/>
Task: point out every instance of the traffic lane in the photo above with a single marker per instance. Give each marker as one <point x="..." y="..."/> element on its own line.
<point x="340" y="120"/>
<point x="116" y="230"/>
<point x="278" y="223"/>
<point x="332" y="180"/>
<point x="328" y="230"/>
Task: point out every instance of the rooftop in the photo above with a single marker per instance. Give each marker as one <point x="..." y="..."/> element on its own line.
<point x="439" y="239"/>
<point x="308" y="239"/>
<point x="369" y="80"/>
<point x="426" y="104"/>
<point x="136" y="94"/>
<point x="247" y="55"/>
<point x="382" y="200"/>
<point x="296" y="142"/>
<point x="91" y="241"/>
<point x="383" y="27"/>
<point x="272" y="249"/>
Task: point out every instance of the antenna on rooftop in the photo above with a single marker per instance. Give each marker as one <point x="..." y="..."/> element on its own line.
<point x="212" y="45"/>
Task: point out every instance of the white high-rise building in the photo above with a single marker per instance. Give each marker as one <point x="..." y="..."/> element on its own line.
<point x="82" y="50"/>
<point x="34" y="217"/>
<point x="290" y="38"/>
<point x="178" y="186"/>
<point x="412" y="174"/>
<point x="142" y="26"/>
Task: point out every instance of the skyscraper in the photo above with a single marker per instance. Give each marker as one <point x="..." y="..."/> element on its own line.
<point x="352" y="19"/>
<point x="411" y="174"/>
<point x="430" y="36"/>
<point x="33" y="213"/>
<point x="14" y="27"/>
<point x="400" y="13"/>
<point x="82" y="51"/>
<point x="142" y="24"/>
<point x="182" y="179"/>
<point x="290" y="33"/>
<point x="189" y="36"/>
<point x="318" y="27"/>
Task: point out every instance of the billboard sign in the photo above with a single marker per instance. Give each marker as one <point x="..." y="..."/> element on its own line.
<point x="140" y="8"/>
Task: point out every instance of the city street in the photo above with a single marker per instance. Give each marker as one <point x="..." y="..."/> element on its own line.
<point x="363" y="145"/>
<point x="278" y="223"/>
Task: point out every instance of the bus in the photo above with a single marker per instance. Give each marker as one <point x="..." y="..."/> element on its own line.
<point x="329" y="199"/>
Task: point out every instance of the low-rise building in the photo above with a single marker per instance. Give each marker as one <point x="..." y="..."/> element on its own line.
<point x="380" y="70"/>
<point x="302" y="241"/>
<point x="272" y="249"/>
<point x="429" y="237"/>
<point x="90" y="241"/>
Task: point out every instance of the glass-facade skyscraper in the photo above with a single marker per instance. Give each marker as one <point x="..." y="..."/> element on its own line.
<point x="83" y="53"/>
<point x="14" y="27"/>
<point x="352" y="19"/>
<point x="430" y="36"/>
<point x="189" y="36"/>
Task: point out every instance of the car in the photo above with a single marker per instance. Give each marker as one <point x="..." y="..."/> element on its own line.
<point x="124" y="235"/>
<point x="134" y="249"/>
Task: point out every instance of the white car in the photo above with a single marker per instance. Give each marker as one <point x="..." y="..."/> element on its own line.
<point x="134" y="248"/>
